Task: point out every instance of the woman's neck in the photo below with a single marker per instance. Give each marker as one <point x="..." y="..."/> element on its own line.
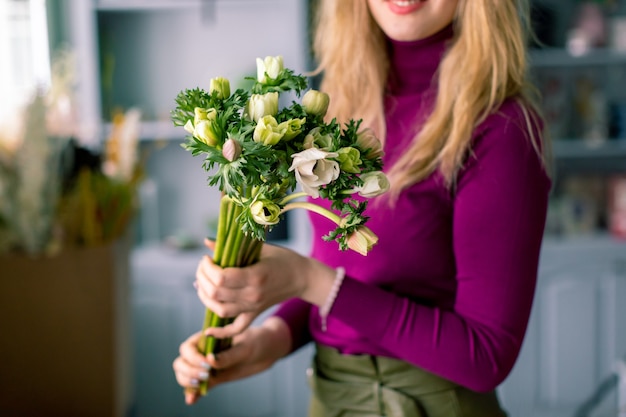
<point x="414" y="64"/>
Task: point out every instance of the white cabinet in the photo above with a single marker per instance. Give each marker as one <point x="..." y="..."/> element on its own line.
<point x="166" y="311"/>
<point x="577" y="331"/>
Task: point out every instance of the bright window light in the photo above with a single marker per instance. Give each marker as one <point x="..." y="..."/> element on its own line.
<point x="24" y="51"/>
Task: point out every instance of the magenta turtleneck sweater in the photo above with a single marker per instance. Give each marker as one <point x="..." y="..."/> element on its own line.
<point x="450" y="284"/>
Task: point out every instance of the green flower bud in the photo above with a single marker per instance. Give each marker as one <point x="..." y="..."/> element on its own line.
<point x="315" y="102"/>
<point x="314" y="139"/>
<point x="221" y="86"/>
<point x="199" y="115"/>
<point x="349" y="160"/>
<point x="265" y="212"/>
<point x="292" y="127"/>
<point x="261" y="105"/>
<point x="268" y="69"/>
<point x="267" y="131"/>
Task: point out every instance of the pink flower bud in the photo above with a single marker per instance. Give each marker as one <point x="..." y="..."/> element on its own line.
<point x="362" y="240"/>
<point x="231" y="149"/>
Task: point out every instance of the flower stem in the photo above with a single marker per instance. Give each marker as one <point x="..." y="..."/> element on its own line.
<point x="315" y="209"/>
<point x="232" y="248"/>
<point x="222" y="228"/>
<point x="292" y="197"/>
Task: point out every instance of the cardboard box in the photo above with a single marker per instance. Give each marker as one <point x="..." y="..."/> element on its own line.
<point x="65" y="342"/>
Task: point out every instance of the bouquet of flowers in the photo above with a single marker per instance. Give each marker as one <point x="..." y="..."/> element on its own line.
<point x="258" y="155"/>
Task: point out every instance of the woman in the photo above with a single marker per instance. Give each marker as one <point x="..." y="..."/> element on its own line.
<point x="432" y="320"/>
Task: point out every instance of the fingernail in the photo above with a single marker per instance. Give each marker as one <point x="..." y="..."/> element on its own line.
<point x="195" y="382"/>
<point x="206" y="366"/>
<point x="203" y="375"/>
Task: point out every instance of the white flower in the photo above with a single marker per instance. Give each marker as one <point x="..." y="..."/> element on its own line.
<point x="189" y="127"/>
<point x="204" y="127"/>
<point x="268" y="131"/>
<point x="374" y="183"/>
<point x="270" y="67"/>
<point x="292" y="127"/>
<point x="313" y="169"/>
<point x="261" y="105"/>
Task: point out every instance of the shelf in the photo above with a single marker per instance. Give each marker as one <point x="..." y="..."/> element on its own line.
<point x="583" y="149"/>
<point x="155" y="130"/>
<point x="558" y="57"/>
<point x="122" y="5"/>
<point x="147" y="5"/>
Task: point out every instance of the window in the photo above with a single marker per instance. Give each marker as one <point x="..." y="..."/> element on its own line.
<point x="24" y="52"/>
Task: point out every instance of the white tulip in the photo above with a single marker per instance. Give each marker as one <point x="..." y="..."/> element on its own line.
<point x="374" y="183"/>
<point x="261" y="105"/>
<point x="269" y="67"/>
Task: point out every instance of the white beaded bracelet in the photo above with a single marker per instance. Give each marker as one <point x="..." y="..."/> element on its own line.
<point x="340" y="273"/>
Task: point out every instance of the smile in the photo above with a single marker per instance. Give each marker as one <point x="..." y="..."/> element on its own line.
<point x="403" y="7"/>
<point x="406" y="3"/>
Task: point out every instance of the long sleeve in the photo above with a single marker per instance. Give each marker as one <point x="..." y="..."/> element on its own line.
<point x="295" y="313"/>
<point x="473" y="335"/>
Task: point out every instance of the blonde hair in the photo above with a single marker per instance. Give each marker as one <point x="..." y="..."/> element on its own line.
<point x="489" y="45"/>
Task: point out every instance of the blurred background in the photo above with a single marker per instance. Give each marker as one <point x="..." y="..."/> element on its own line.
<point x="102" y="213"/>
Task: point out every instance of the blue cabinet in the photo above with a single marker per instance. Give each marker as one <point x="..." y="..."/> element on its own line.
<point x="577" y="334"/>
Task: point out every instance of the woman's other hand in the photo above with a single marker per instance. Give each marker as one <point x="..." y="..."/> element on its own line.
<point x="253" y="351"/>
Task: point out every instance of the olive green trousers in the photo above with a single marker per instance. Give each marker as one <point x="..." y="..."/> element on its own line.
<point x="375" y="386"/>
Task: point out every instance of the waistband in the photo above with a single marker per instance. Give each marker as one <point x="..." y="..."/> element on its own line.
<point x="365" y="385"/>
<point x="387" y="371"/>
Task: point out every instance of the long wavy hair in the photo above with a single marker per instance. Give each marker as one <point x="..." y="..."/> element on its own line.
<point x="490" y="44"/>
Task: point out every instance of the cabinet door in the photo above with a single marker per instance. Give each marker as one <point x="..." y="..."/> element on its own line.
<point x="576" y="333"/>
<point x="161" y="321"/>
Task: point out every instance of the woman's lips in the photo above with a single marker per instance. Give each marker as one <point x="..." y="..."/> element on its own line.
<point x="405" y="6"/>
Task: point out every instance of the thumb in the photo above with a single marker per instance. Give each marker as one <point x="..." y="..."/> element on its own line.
<point x="209" y="243"/>
<point x="191" y="396"/>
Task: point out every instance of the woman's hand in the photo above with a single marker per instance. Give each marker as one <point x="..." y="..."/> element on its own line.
<point x="253" y="351"/>
<point x="246" y="292"/>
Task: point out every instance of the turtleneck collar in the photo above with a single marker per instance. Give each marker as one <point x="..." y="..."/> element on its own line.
<point x="414" y="63"/>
